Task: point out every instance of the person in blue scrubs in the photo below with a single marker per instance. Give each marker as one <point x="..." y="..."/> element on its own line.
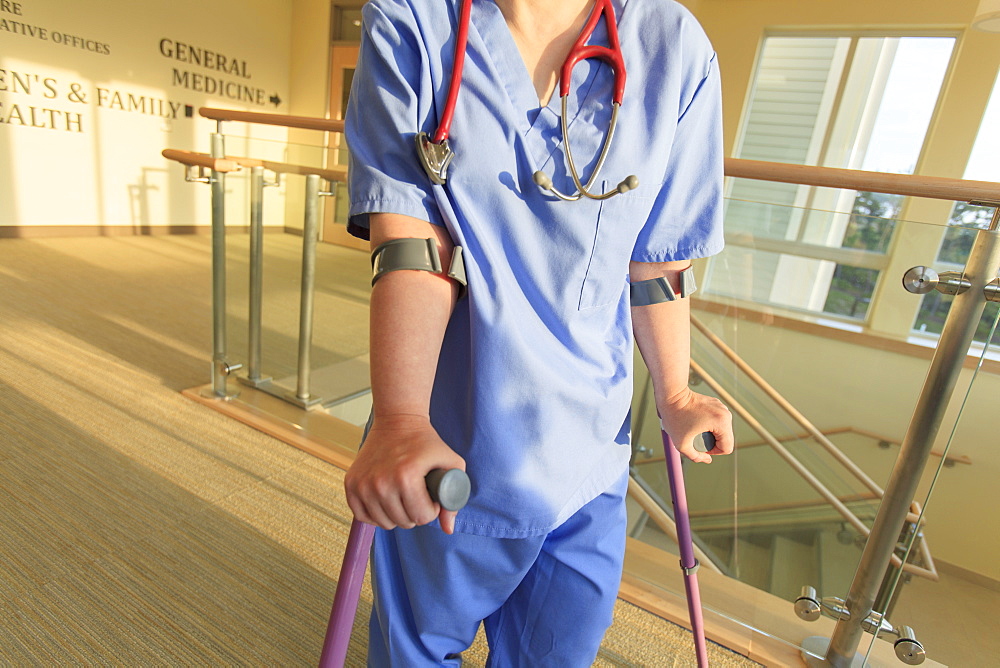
<point x="524" y="379"/>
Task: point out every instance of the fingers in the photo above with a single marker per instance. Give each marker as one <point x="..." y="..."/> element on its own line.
<point x="447" y="518"/>
<point x="694" y="455"/>
<point x="724" y="442"/>
<point x="398" y="500"/>
<point x="386" y="485"/>
<point x="700" y="417"/>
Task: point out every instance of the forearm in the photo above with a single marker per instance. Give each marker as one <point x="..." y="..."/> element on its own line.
<point x="663" y="331"/>
<point x="663" y="335"/>
<point x="409" y="314"/>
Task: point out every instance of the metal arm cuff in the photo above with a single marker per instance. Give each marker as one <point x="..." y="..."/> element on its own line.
<point x="658" y="290"/>
<point x="415" y="255"/>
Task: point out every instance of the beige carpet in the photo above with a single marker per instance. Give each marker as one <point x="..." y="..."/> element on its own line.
<point x="140" y="528"/>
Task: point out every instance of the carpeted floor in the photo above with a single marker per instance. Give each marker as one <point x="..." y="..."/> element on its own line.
<point x="140" y="528"/>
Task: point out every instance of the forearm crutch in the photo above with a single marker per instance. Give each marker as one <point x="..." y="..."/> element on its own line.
<point x="450" y="489"/>
<point x="689" y="564"/>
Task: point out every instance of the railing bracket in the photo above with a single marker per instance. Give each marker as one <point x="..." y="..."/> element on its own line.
<point x="992" y="290"/>
<point x="199" y="176"/>
<point x="920" y="280"/>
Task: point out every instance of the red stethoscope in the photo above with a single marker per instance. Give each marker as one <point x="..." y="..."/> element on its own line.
<point x="435" y="153"/>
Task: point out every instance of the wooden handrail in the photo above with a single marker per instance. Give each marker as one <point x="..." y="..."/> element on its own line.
<point x="898" y="184"/>
<point x="782" y="451"/>
<point x="335" y="173"/>
<point x="786" y="505"/>
<point x="234" y="163"/>
<point x="913" y="185"/>
<point x="789" y="409"/>
<point x="200" y="160"/>
<point x="299" y="122"/>
<point x="948" y="458"/>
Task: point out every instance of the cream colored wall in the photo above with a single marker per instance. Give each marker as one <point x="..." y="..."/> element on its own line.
<point x="104" y="168"/>
<point x="309" y="85"/>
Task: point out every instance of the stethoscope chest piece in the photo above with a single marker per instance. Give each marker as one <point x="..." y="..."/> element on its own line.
<point x="435" y="158"/>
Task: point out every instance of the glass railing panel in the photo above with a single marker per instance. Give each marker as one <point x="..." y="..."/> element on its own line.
<point x="774" y="429"/>
<point x="947" y="615"/>
<point x="810" y="319"/>
<point x="335" y="367"/>
<point x="766" y="535"/>
<point x="869" y="225"/>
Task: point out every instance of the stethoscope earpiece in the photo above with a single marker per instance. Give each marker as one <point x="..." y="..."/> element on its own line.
<point x="542" y="180"/>
<point x="631" y="182"/>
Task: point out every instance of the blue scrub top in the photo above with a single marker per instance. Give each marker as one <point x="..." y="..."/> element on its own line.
<point x="534" y="384"/>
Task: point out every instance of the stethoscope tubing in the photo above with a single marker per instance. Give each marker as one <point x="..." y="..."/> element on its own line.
<point x="436" y="158"/>
<point x="461" y="39"/>
<point x="584" y="190"/>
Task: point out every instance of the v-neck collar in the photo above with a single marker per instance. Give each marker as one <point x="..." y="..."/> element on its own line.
<point x="536" y="123"/>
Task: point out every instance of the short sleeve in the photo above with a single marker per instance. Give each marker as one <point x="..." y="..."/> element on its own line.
<point x="384" y="113"/>
<point x="686" y="218"/>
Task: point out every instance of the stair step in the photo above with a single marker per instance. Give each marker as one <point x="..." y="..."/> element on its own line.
<point x="838" y="561"/>
<point x="751" y="561"/>
<point x="794" y="563"/>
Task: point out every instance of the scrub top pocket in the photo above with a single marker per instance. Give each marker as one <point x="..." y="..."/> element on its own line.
<point x="618" y="225"/>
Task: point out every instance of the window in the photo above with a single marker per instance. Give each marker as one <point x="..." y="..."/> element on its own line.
<point x="855" y="102"/>
<point x="966" y="220"/>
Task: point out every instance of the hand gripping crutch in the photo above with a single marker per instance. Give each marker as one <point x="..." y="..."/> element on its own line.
<point x="689" y="564"/>
<point x="450" y="489"/>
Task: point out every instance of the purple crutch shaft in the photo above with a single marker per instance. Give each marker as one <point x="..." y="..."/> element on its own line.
<point x="345" y="601"/>
<point x="686" y="547"/>
<point x="451" y="489"/>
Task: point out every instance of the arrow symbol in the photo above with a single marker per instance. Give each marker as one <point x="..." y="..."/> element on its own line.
<point x="275" y="100"/>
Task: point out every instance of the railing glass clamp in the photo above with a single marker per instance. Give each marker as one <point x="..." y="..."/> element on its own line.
<point x="920" y="280"/>
<point x="992" y="290"/>
<point x="807" y="605"/>
<point x="908" y="649"/>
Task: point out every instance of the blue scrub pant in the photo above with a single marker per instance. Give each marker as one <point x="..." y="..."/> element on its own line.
<point x="544" y="601"/>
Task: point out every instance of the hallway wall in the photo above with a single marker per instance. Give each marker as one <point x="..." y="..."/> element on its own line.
<point x="91" y="91"/>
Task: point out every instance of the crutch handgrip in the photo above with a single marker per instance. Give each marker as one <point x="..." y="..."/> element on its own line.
<point x="450" y="488"/>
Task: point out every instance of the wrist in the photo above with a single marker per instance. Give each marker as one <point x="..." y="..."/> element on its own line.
<point x="401" y="420"/>
<point x="674" y="400"/>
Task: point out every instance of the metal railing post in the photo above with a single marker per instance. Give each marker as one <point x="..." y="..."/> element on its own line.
<point x="220" y="365"/>
<point x="957" y="335"/>
<point x="256" y="306"/>
<point x="310" y="230"/>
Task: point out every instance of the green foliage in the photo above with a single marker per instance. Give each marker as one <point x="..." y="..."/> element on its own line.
<point x="872" y="221"/>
